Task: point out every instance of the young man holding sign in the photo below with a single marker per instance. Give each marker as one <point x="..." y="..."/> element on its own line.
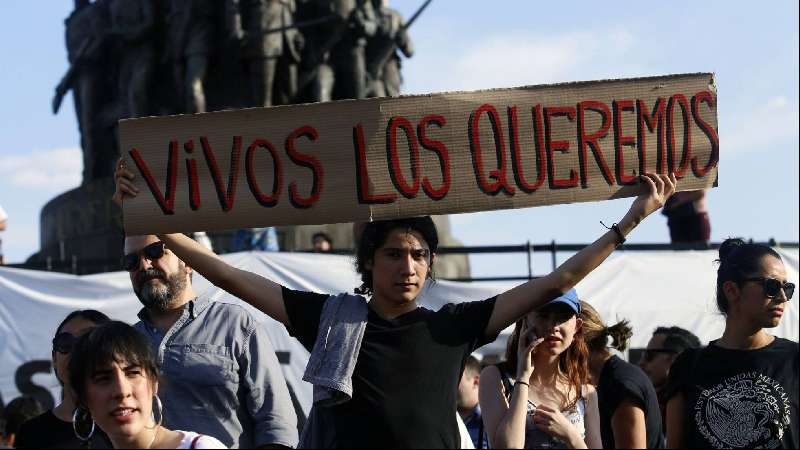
<point x="405" y="360"/>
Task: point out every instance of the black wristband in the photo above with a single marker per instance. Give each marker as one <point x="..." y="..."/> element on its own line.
<point x="521" y="382"/>
<point x="615" y="228"/>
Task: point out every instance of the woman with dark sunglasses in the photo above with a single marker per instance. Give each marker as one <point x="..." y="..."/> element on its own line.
<point x="54" y="429"/>
<point x="742" y="390"/>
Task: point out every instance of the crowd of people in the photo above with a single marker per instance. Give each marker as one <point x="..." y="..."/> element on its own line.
<point x="387" y="373"/>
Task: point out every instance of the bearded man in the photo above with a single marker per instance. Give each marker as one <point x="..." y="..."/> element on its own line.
<point x="219" y="372"/>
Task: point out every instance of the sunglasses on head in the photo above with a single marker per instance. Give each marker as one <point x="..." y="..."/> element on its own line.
<point x="64" y="342"/>
<point x="650" y="353"/>
<point x="772" y="287"/>
<point x="130" y="262"/>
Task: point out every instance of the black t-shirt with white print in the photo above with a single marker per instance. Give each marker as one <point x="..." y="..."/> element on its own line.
<point x="739" y="398"/>
<point x="407" y="372"/>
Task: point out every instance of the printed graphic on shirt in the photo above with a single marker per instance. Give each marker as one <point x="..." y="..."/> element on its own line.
<point x="747" y="410"/>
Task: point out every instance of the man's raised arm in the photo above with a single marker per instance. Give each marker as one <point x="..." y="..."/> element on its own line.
<point x="254" y="289"/>
<point x="516" y="302"/>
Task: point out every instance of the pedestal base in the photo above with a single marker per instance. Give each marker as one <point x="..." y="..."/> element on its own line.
<point x="81" y="231"/>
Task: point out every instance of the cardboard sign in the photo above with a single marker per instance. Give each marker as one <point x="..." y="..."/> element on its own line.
<point x="360" y="160"/>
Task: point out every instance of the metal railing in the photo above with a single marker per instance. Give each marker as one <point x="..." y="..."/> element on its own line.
<point x="75" y="265"/>
<point x="554" y="249"/>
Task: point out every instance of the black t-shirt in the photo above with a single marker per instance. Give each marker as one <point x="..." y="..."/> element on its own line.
<point x="406" y="375"/>
<point x="738" y="398"/>
<point x="621" y="381"/>
<point x="48" y="431"/>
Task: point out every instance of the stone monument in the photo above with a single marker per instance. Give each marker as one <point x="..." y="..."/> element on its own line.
<point x="133" y="58"/>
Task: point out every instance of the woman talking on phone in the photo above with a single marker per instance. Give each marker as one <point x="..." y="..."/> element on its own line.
<point x="541" y="396"/>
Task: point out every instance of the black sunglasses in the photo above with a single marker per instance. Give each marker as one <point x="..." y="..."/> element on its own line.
<point x="64" y="342"/>
<point x="772" y="287"/>
<point x="130" y="262"/>
<point x="649" y="353"/>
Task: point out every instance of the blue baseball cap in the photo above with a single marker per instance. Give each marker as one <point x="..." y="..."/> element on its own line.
<point x="570" y="299"/>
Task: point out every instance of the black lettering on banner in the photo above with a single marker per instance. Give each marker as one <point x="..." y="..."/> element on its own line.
<point x="23" y="378"/>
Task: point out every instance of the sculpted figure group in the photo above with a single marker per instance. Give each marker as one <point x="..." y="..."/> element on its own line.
<point x="134" y="58"/>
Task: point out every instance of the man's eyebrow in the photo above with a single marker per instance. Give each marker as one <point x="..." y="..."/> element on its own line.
<point x="401" y="249"/>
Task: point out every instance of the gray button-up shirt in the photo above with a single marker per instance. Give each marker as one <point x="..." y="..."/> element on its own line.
<point x="220" y="376"/>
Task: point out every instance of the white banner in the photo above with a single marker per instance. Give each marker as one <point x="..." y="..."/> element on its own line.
<point x="650" y="289"/>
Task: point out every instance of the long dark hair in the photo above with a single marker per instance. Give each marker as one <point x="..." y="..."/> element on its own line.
<point x="375" y="234"/>
<point x="738" y="260"/>
<point x="574" y="362"/>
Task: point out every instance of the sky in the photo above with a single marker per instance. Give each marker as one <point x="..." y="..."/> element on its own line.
<point x="472" y="44"/>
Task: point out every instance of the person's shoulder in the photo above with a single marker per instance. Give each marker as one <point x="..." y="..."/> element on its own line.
<point x="461" y="307"/>
<point x="785" y="350"/>
<point x="783" y="344"/>
<point x="492" y="371"/>
<point x="227" y="307"/>
<point x="342" y="297"/>
<point x="200" y="441"/>
<point x="209" y="442"/>
<point x="30" y="432"/>
<point x="689" y="360"/>
<point x="229" y="311"/>
<point x="627" y="371"/>
<point x="35" y="423"/>
<point x="224" y="319"/>
<point x="294" y="296"/>
<point x="494" y="375"/>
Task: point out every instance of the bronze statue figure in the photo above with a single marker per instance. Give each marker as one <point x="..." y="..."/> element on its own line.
<point x="270" y="50"/>
<point x="190" y="26"/>
<point x="383" y="61"/>
<point x="133" y="25"/>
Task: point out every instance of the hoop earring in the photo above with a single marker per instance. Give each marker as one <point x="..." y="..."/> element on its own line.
<point x="75" y="426"/>
<point x="160" y="408"/>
